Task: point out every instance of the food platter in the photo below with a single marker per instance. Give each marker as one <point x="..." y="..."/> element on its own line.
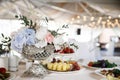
<point x="100" y="72"/>
<point x="90" y="67"/>
<point x="99" y="64"/>
<point x="6" y="75"/>
<point x="61" y="66"/>
<point x="66" y="53"/>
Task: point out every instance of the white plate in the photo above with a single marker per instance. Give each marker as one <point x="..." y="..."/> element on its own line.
<point x="95" y="67"/>
<point x="115" y="60"/>
<point x="91" y="67"/>
<point x="81" y="70"/>
<point x="99" y="70"/>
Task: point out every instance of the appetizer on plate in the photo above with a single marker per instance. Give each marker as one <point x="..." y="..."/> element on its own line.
<point x="62" y="66"/>
<point x="4" y="74"/>
<point x="65" y="50"/>
<point x="102" y="64"/>
<point x="111" y="74"/>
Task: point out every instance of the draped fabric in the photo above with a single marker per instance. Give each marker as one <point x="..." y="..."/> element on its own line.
<point x="58" y="10"/>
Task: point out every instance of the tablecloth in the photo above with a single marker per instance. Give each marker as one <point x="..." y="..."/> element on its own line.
<point x="83" y="74"/>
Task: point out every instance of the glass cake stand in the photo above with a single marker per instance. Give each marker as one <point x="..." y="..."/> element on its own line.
<point x="33" y="53"/>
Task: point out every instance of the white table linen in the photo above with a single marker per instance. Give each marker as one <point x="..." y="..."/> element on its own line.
<point x="84" y="74"/>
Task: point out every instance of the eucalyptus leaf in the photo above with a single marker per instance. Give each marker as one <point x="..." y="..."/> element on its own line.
<point x="26" y="21"/>
<point x="46" y="19"/>
<point x="74" y="45"/>
<point x="6" y="38"/>
<point x="2" y="35"/>
<point x="16" y="16"/>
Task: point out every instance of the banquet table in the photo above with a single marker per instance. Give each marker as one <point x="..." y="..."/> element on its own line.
<point x="83" y="74"/>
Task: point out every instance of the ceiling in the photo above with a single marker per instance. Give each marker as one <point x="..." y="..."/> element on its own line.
<point x="60" y="9"/>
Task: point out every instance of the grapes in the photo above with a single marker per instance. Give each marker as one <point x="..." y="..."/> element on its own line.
<point x="58" y="61"/>
<point x="53" y="61"/>
<point x="103" y="64"/>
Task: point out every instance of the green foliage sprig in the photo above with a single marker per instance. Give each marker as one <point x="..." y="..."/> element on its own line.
<point x="26" y="21"/>
<point x="74" y="45"/>
<point x="56" y="33"/>
<point x="65" y="44"/>
<point x="5" y="44"/>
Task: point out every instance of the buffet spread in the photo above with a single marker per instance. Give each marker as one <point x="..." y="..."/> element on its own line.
<point x="53" y="55"/>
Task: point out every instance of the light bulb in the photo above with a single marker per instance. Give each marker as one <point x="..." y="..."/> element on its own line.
<point x="84" y="18"/>
<point x="78" y="17"/>
<point x="108" y="20"/>
<point x="92" y="18"/>
<point x="100" y="18"/>
<point x="109" y="17"/>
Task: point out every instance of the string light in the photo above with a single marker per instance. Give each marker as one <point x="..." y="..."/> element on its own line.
<point x="109" y="17"/>
<point x="100" y="18"/>
<point x="84" y="18"/>
<point x="103" y="24"/>
<point x="116" y="20"/>
<point x="92" y="18"/>
<point x="78" y="17"/>
<point x="100" y="22"/>
<point x="108" y="20"/>
<point x="93" y="23"/>
<point x="116" y="23"/>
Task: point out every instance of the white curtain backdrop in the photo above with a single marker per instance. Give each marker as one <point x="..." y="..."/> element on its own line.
<point x="9" y="26"/>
